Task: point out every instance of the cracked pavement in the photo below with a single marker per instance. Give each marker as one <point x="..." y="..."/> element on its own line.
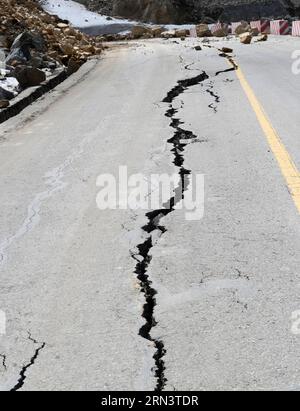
<point x="145" y="300"/>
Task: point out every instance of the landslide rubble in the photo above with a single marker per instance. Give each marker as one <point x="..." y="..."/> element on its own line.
<point x="34" y="45"/>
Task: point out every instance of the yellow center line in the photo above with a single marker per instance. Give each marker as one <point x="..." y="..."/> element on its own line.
<point x="287" y="166"/>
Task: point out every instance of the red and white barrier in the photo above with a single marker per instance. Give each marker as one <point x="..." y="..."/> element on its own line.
<point x="280" y="27"/>
<point x="296" y="28"/>
<point x="193" y="32"/>
<point x="263" y="26"/>
<point x="215" y="27"/>
<point x="234" y="26"/>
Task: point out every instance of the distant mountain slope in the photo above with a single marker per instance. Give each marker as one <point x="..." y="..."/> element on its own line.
<point x="179" y="11"/>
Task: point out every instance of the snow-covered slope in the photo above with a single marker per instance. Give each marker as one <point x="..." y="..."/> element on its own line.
<point x="77" y="14"/>
<point x="91" y="22"/>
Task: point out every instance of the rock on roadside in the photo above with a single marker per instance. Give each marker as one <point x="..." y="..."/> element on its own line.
<point x="203" y="30"/>
<point x="4" y="104"/>
<point x="29" y="76"/>
<point x="244" y="27"/>
<point x="246" y="38"/>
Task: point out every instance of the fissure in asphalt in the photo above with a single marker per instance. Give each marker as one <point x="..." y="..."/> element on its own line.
<point x="3" y="356"/>
<point x="22" y="374"/>
<point x="143" y="258"/>
<point x="215" y="96"/>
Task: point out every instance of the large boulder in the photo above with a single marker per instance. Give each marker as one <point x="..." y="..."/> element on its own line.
<point x="29" y="76"/>
<point x="157" y="31"/>
<point x="244" y="27"/>
<point x="20" y="49"/>
<point x="18" y="56"/>
<point x="29" y="39"/>
<point x="203" y="30"/>
<point x="182" y="33"/>
<point x="223" y="32"/>
<point x="246" y="38"/>
<point x="73" y="66"/>
<point x="4" y="104"/>
<point x="139" y="32"/>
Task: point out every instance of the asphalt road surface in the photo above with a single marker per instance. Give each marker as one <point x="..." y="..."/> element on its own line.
<point x="125" y="300"/>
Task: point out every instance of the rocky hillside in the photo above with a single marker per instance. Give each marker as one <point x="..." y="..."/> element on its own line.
<point x="181" y="11"/>
<point x="34" y="45"/>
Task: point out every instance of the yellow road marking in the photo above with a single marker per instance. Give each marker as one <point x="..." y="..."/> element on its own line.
<point x="286" y="164"/>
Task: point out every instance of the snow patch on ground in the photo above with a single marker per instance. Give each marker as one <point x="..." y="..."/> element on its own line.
<point x="10" y="84"/>
<point x="77" y="14"/>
